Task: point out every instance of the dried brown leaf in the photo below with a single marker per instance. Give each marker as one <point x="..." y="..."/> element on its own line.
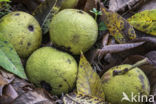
<point x="90" y="4"/>
<point x="124" y="5"/>
<point x="9" y="94"/>
<point x="117" y="48"/>
<point x="5" y="79"/>
<point x="147" y="39"/>
<point x="81" y="4"/>
<point x="149" y="5"/>
<point x="21" y="86"/>
<point x="38" y="96"/>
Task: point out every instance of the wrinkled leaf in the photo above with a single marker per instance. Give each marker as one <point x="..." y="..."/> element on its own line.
<point x="119" y="28"/>
<point x="3" y="82"/>
<point x="82" y="99"/>
<point x="45" y="12"/>
<point x="81" y="4"/>
<point x="5" y="79"/>
<point x="116" y="48"/>
<point x="37" y="96"/>
<point x="149" y="5"/>
<point x="21" y="86"/>
<point x="144" y="21"/>
<point x="125" y="5"/>
<point x="9" y="94"/>
<point x="90" y="4"/>
<point x="9" y="59"/>
<point x="88" y="82"/>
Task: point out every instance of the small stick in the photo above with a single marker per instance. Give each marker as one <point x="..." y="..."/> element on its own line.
<point x="139" y="63"/>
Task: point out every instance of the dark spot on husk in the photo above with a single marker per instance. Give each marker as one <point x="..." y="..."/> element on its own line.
<point x="45" y="85"/>
<point x="17" y="14"/>
<point x="6" y="42"/>
<point x="60" y="85"/>
<point x="138" y="25"/>
<point x="75" y="39"/>
<point x="21" y="42"/>
<point x="141" y="77"/>
<point x="69" y="61"/>
<point x="31" y="28"/>
<point x="80" y="11"/>
<point x="29" y="44"/>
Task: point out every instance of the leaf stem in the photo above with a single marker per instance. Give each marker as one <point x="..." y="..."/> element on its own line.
<point x="137" y="64"/>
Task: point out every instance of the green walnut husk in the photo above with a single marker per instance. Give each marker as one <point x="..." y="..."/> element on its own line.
<point x="74" y="30"/>
<point x="134" y="81"/>
<point x="53" y="70"/>
<point x="23" y="31"/>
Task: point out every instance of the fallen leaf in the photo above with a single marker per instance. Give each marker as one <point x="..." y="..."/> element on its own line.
<point x="45" y="12"/>
<point x="149" y="5"/>
<point x="151" y="40"/>
<point x="125" y="5"/>
<point x="82" y="99"/>
<point x="5" y="79"/>
<point x="118" y="27"/>
<point x="81" y="4"/>
<point x="116" y="48"/>
<point x="9" y="94"/>
<point x="90" y="4"/>
<point x="37" y="96"/>
<point x="9" y="59"/>
<point x="144" y="21"/>
<point x="88" y="82"/>
<point x="3" y="82"/>
<point x="21" y="86"/>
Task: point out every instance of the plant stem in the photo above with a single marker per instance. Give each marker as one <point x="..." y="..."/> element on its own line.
<point x="137" y="64"/>
<point x="95" y="17"/>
